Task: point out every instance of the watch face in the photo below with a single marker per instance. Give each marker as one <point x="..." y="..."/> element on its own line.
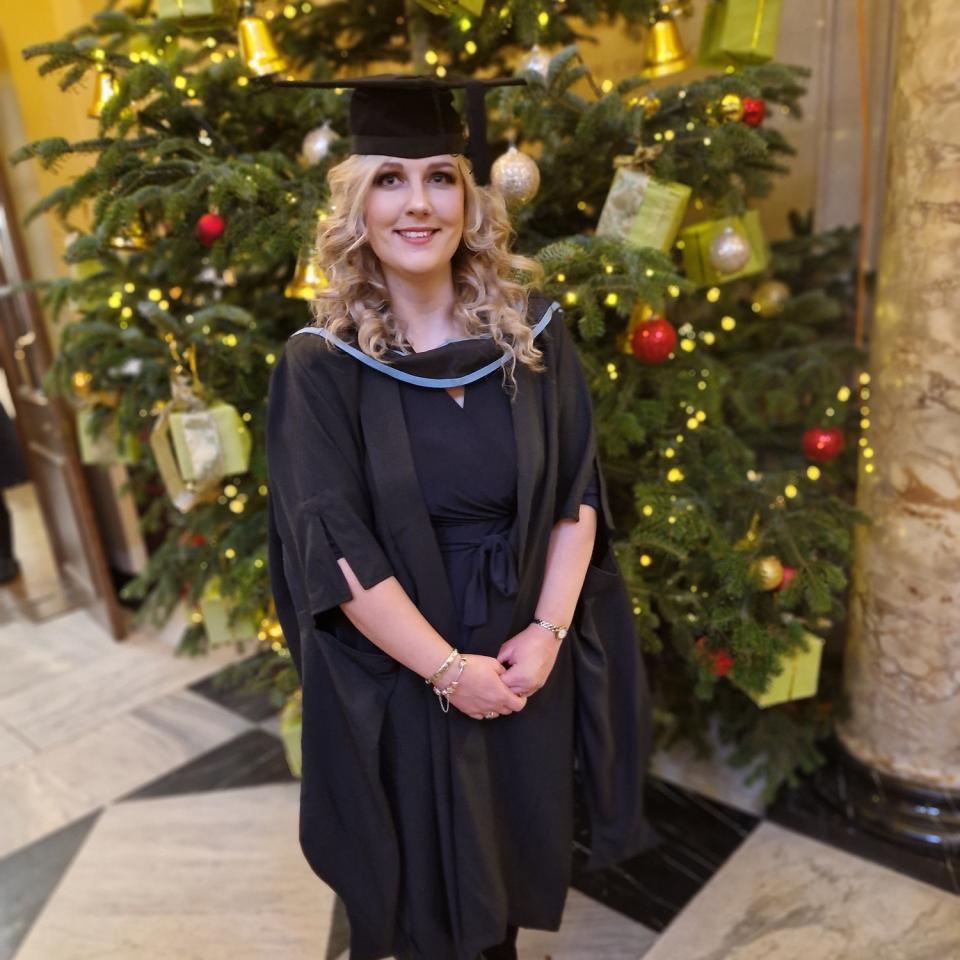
<point x="561" y="633"/>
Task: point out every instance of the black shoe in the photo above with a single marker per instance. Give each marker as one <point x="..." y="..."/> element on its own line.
<point x="9" y="569"/>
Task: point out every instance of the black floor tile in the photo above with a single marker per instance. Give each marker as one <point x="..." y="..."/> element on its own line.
<point x="253" y="758"/>
<point x="28" y="877"/>
<point x="229" y="688"/>
<point x="818" y="808"/>
<point x="699" y="834"/>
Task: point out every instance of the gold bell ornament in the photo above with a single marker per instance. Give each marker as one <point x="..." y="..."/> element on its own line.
<point x="104" y="89"/>
<point x="132" y="236"/>
<point x="257" y="49"/>
<point x="664" y="52"/>
<point x="308" y="279"/>
<point x="516" y="175"/>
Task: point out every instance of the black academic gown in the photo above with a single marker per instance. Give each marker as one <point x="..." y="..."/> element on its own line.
<point x="393" y="787"/>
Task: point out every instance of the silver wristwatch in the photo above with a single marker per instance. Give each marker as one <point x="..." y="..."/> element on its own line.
<point x="558" y="632"/>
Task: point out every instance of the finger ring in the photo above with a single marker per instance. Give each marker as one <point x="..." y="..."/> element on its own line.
<point x="490" y="716"/>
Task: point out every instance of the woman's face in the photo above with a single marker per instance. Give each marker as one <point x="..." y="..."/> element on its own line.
<point x="414" y="214"/>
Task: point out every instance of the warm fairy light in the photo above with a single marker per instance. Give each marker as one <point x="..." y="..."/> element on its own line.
<point x="262" y="489"/>
<point x="306" y="6"/>
<point x="216" y="57"/>
<point x="671" y="519"/>
<point x="270" y="358"/>
<point x="465" y="24"/>
<point x="691" y="125"/>
<point x="674" y="475"/>
<point x="864" y="378"/>
<point x="571" y="296"/>
<point x="790" y="490"/>
<point x="709" y="337"/>
<point x="863" y="441"/>
<point x="431" y="57"/>
<point x="581" y="205"/>
<point x="868" y="468"/>
<point x="126" y="313"/>
<point x="865" y="423"/>
<point x="611" y="300"/>
<point x="728" y="323"/>
<point x="637" y="610"/>
<point x="258" y="563"/>
<point x="679" y="438"/>
<point x="707" y="141"/>
<point x="236" y="506"/>
<point x="441" y="71"/>
<point x="755" y="307"/>
<point x="829" y="411"/>
<point x="470" y="47"/>
<point x="701" y="415"/>
<point x="606" y="86"/>
<point x="561" y="278"/>
<point x="753" y="476"/>
<point x="693" y="423"/>
<point x="864" y="411"/>
<point x="242" y="81"/>
<point x="543" y="18"/>
<point x="289" y="11"/>
<point x="180" y="83"/>
<point x="702" y="385"/>
<point x="682" y="94"/>
<point x="115" y="300"/>
<point x="155" y="294"/>
<point x="229" y="340"/>
<point x="868" y="452"/>
<point x="608" y="269"/>
<point x="813" y="472"/>
<point x="668" y="134"/>
<point x="688" y="345"/>
<point x="681" y="245"/>
<point x="647" y="510"/>
<point x="658" y="136"/>
<point x="843" y="394"/>
<point x="645" y="560"/>
<point x="230" y="490"/>
<point x="648" y="272"/>
<point x="669" y="453"/>
<point x="693" y="588"/>
<point x="230" y="553"/>
<point x="164" y="304"/>
<point x="673" y="290"/>
<point x="196" y="617"/>
<point x="865" y="394"/>
<point x="713" y="294"/>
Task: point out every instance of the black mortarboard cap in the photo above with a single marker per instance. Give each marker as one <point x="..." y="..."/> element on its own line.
<point x="414" y="116"/>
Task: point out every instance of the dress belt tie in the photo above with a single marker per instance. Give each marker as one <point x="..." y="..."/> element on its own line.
<point x="493" y="562"/>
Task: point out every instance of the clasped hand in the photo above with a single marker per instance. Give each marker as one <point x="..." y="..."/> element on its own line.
<point x="487" y="686"/>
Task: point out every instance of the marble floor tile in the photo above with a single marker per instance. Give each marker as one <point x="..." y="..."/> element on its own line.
<point x="782" y="896"/>
<point x="231" y="688"/>
<point x="215" y="875"/>
<point x="102" y="764"/>
<point x="28" y="877"/>
<point x="13" y="749"/>
<point x="60" y="708"/>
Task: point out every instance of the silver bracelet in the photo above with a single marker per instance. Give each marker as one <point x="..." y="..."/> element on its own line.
<point x="444" y="694"/>
<point x="434" y="677"/>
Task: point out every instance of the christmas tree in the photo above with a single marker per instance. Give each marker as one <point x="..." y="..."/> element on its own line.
<point x="723" y="369"/>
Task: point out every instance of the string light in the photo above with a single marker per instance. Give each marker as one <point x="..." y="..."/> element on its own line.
<point x="647" y="510"/>
<point x="790" y="490"/>
<point x="713" y="294"/>
<point x="674" y="475"/>
<point x="270" y="358"/>
<point x="813" y="472"/>
<point x="611" y="300"/>
<point x="230" y="553"/>
<point x="728" y="323"/>
<point x="645" y="560"/>
<point x="843" y="394"/>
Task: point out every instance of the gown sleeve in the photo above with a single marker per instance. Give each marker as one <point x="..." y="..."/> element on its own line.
<point x="319" y="502"/>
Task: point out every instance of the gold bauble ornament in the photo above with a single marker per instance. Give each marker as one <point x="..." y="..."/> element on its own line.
<point x="728" y="109"/>
<point x="767" y="572"/>
<point x="770" y="297"/>
<point x="651" y="104"/>
<point x="729" y="251"/>
<point x="133" y="236"/>
<point x="517" y="176"/>
<point x="257" y="49"/>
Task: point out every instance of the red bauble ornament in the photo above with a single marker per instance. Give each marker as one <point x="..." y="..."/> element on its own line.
<point x="210" y="228"/>
<point x="753" y="111"/>
<point x="721" y="663"/>
<point x="822" y="443"/>
<point x="653" y="340"/>
<point x="788" y="574"/>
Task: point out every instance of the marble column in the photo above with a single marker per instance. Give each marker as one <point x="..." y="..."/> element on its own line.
<point x="903" y="654"/>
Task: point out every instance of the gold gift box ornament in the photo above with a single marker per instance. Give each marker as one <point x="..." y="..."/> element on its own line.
<point x="739" y="31"/>
<point x="217" y="611"/>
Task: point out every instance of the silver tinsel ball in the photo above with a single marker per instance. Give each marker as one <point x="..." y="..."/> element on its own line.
<point x="537" y="60"/>
<point x="316" y="144"/>
<point x="729" y="251"/>
<point x="516" y="176"/>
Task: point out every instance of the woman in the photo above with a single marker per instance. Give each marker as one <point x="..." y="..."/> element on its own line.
<point x="433" y="514"/>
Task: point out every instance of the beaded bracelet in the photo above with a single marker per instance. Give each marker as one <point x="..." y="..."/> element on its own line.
<point x="434" y="677"/>
<point x="445" y="693"/>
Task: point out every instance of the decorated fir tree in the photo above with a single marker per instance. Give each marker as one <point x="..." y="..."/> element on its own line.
<point x="724" y="376"/>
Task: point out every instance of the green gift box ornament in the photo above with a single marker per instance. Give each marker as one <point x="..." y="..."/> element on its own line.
<point x="797" y="678"/>
<point x="716" y="251"/>
<point x="740" y="31"/>
<point x="105" y="446"/>
<point x="453" y="8"/>
<point x="217" y="611"/>
<point x="641" y="209"/>
<point x="199" y="14"/>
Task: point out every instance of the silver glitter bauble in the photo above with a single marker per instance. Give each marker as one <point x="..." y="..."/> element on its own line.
<point x="316" y="144"/>
<point x="729" y="251"/>
<point x="516" y="176"/>
<point x="537" y="60"/>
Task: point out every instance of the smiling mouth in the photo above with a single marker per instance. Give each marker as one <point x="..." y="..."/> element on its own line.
<point x="420" y="234"/>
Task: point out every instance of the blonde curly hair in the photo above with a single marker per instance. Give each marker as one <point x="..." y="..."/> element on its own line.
<point x="491" y="293"/>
